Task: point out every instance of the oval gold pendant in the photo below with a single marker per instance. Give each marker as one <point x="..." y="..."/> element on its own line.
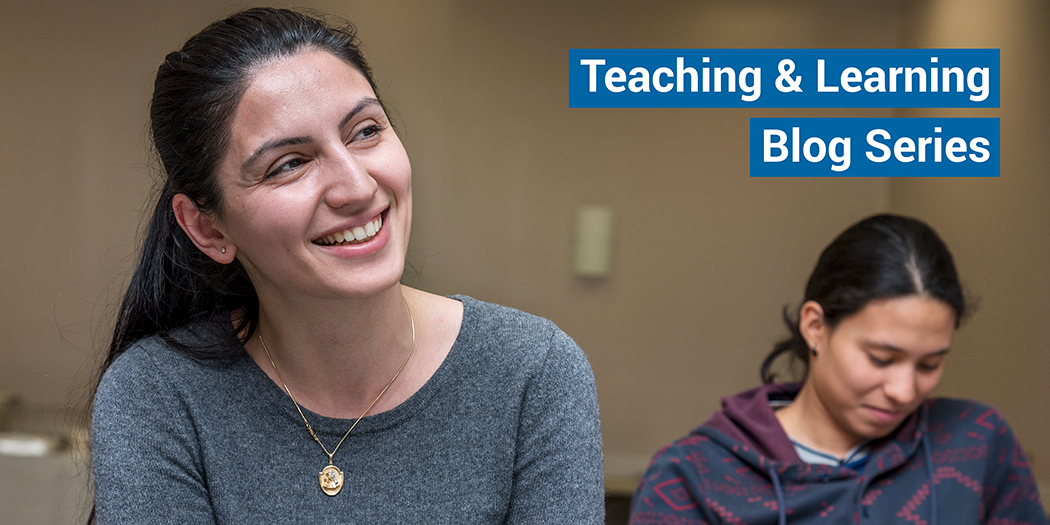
<point x="331" y="479"/>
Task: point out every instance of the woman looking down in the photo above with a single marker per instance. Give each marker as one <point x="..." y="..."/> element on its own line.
<point x="859" y="440"/>
<point x="267" y="364"/>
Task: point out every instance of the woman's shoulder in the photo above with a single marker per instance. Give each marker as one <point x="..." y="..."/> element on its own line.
<point x="965" y="417"/>
<point x="943" y="409"/>
<point x="516" y="339"/>
<point x="505" y="319"/>
<point x="184" y="356"/>
<point x="509" y="327"/>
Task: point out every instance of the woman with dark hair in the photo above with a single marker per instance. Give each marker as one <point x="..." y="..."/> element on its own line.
<point x="857" y="441"/>
<point x="267" y="364"/>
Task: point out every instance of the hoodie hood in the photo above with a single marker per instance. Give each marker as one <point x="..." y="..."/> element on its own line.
<point x="748" y="420"/>
<point x="750" y="430"/>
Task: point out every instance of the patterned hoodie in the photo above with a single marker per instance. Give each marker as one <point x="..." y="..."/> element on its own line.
<point x="740" y="467"/>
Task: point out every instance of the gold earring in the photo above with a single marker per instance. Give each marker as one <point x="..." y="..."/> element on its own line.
<point x="224" y="249"/>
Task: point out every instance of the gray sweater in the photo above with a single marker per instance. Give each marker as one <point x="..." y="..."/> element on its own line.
<point x="506" y="431"/>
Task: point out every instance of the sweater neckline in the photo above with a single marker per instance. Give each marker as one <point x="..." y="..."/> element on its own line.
<point x="275" y="398"/>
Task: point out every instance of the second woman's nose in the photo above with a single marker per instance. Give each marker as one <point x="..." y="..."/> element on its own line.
<point x="900" y="386"/>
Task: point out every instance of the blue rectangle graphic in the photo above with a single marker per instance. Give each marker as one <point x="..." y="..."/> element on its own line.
<point x="874" y="147"/>
<point x="784" y="78"/>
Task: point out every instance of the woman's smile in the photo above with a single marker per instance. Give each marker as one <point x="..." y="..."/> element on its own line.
<point x="353" y="241"/>
<point x="352" y="235"/>
<point x="885" y="416"/>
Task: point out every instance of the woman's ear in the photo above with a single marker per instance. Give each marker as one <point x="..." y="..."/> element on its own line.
<point x="202" y="229"/>
<point x="811" y="324"/>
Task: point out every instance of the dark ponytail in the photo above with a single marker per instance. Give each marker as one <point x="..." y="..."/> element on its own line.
<point x="880" y="257"/>
<point x="175" y="283"/>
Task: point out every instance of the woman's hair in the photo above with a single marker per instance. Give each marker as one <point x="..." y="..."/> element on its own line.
<point x="881" y="257"/>
<point x="195" y="96"/>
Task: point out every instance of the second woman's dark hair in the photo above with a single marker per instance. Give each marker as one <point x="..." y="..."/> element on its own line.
<point x="881" y="257"/>
<point x="195" y="96"/>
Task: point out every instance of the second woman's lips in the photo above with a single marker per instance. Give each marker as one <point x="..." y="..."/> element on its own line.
<point x="884" y="414"/>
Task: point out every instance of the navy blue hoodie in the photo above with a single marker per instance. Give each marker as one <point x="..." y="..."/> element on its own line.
<point x="740" y="467"/>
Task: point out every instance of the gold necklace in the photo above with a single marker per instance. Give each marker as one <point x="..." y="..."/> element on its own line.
<point x="330" y="477"/>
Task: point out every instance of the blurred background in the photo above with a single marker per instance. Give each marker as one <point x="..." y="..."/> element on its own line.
<point x="703" y="257"/>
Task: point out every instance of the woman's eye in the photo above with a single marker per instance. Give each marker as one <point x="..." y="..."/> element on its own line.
<point x="289" y="165"/>
<point x="368" y="132"/>
<point x="878" y="362"/>
<point x="928" y="367"/>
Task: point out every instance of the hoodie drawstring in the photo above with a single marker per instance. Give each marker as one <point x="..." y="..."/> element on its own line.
<point x="929" y="473"/>
<point x="782" y="512"/>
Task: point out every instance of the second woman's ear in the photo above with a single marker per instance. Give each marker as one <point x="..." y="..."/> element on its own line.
<point x="202" y="229"/>
<point x="811" y="324"/>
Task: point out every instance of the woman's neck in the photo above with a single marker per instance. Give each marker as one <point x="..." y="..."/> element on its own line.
<point x="336" y="356"/>
<point x="808" y="421"/>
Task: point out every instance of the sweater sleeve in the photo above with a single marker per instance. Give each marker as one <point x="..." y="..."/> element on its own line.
<point x="558" y="464"/>
<point x="1010" y="491"/>
<point x="667" y="492"/>
<point x="145" y="455"/>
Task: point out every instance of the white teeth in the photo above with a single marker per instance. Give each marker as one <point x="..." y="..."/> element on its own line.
<point x="355" y="234"/>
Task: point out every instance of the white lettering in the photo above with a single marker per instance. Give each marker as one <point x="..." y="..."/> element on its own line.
<point x="615" y="75"/>
<point x="592" y="67"/>
<point x="663" y="71"/>
<point x="850" y="75"/>
<point x="753" y="89"/>
<point x="639" y="80"/>
<point x="885" y="135"/>
<point x="902" y="146"/>
<point x="840" y="161"/>
<point x="682" y="72"/>
<point x="820" y="79"/>
<point x="876" y="81"/>
<point x="807" y="147"/>
<point x="982" y="88"/>
<point x="955" y="145"/>
<point x="768" y="145"/>
<point x="979" y="154"/>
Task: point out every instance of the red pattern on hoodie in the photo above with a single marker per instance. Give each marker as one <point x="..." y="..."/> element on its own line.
<point x="723" y="472"/>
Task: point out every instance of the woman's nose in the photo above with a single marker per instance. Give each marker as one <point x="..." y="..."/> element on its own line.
<point x="900" y="386"/>
<point x="347" y="180"/>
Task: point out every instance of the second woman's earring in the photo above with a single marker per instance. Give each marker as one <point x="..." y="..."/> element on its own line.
<point x="224" y="251"/>
<point x="813" y="351"/>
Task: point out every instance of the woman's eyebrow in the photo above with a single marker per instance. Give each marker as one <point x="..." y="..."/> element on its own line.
<point x="890" y="348"/>
<point x="273" y="144"/>
<point x="279" y="143"/>
<point x="364" y="103"/>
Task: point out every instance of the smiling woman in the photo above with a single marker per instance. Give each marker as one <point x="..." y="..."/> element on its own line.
<point x="858" y="438"/>
<point x="267" y="364"/>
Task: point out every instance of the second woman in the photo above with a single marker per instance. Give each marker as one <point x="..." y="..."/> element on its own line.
<point x="859" y="440"/>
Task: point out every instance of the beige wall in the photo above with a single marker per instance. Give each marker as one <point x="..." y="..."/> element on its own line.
<point x="704" y="256"/>
<point x="999" y="229"/>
